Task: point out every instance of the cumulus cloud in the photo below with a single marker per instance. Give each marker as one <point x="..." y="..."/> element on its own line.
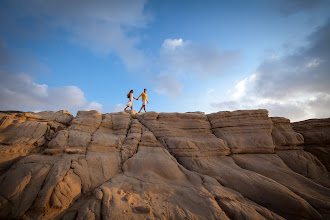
<point x="19" y="91"/>
<point x="179" y="56"/>
<point x="304" y="71"/>
<point x="102" y="26"/>
<point x="240" y="87"/>
<point x="94" y="106"/>
<point x="295" y="85"/>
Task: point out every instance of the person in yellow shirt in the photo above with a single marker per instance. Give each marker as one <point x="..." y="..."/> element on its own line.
<point x="144" y="100"/>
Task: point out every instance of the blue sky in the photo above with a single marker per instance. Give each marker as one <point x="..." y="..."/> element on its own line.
<point x="191" y="55"/>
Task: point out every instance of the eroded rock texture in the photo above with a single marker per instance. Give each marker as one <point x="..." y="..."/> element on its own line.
<point x="226" y="165"/>
<point x="316" y="133"/>
<point x="244" y="131"/>
<point x="283" y="135"/>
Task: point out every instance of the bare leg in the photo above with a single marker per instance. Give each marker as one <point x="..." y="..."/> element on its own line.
<point x="141" y="108"/>
<point x="125" y="108"/>
<point x="144" y="107"/>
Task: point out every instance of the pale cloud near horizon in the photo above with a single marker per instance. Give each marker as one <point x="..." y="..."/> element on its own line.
<point x="19" y="91"/>
<point x="168" y="84"/>
<point x="294" y="85"/>
<point x="94" y="106"/>
<point x="84" y="21"/>
<point x="186" y="57"/>
<point x="180" y="58"/>
<point x="118" y="108"/>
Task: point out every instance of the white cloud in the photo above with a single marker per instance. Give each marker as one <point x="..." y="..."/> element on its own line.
<point x="295" y="85"/>
<point x="241" y="86"/>
<point x="20" y="92"/>
<point x="167" y="83"/>
<point x="313" y="63"/>
<point x="94" y="106"/>
<point x="172" y="44"/>
<point x="118" y="108"/>
<point x="210" y="91"/>
<point x="102" y="26"/>
<point x="305" y="71"/>
<point x="185" y="57"/>
<point x="179" y="58"/>
<point x="293" y="110"/>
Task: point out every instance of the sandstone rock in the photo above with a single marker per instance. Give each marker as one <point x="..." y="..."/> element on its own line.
<point x="246" y="131"/>
<point x="186" y="135"/>
<point x="306" y="164"/>
<point x="20" y="186"/>
<point x="22" y="133"/>
<point x="130" y="165"/>
<point x="283" y="135"/>
<point x="273" y="167"/>
<point x="316" y="133"/>
<point x="90" y="131"/>
<point x="255" y="187"/>
<point x="63" y="117"/>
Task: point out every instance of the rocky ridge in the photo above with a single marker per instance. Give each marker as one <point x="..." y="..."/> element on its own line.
<point x="225" y="165"/>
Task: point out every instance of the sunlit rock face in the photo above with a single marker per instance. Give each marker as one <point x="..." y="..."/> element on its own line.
<point x="225" y="165"/>
<point x="245" y="131"/>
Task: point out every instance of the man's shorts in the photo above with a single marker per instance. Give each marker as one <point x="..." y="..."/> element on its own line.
<point x="143" y="102"/>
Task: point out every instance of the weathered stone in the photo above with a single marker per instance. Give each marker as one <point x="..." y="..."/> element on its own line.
<point x="185" y="134"/>
<point x="246" y="131"/>
<point x="306" y="164"/>
<point x="273" y="167"/>
<point x="316" y="134"/>
<point x="283" y="135"/>
<point x="132" y="165"/>
<point x="254" y="186"/>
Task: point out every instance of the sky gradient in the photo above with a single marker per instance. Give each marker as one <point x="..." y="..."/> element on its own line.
<point x="190" y="55"/>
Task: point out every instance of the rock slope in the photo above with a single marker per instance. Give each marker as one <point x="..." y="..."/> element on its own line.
<point x="225" y="165"/>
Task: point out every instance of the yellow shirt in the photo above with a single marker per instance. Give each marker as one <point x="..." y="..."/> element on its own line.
<point x="144" y="96"/>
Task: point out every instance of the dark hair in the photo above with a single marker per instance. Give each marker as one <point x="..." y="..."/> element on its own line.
<point x="129" y="93"/>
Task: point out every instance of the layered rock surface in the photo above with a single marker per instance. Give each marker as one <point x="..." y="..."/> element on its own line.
<point x="316" y="133"/>
<point x="226" y="165"/>
<point x="244" y="131"/>
<point x="284" y="136"/>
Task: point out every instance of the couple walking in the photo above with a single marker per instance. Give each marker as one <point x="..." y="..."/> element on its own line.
<point x="144" y="100"/>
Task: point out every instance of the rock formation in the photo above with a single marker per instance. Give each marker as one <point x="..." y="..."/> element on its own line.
<point x="225" y="165"/>
<point x="316" y="133"/>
